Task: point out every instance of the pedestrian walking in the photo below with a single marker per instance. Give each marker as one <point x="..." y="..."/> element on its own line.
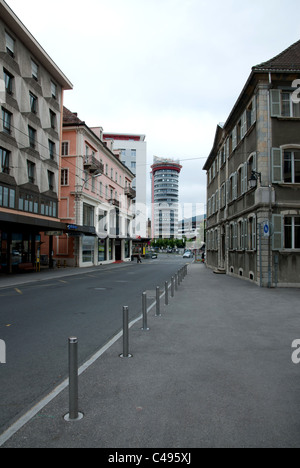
<point x="139" y="260"/>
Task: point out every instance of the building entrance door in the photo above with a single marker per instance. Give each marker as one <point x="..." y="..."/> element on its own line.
<point x="118" y="251"/>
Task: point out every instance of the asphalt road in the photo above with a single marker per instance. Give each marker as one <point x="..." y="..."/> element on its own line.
<point x="36" y="320"/>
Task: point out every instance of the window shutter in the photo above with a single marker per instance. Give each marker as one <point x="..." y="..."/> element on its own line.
<point x="227" y="148"/>
<point x="244" y="178"/>
<point x="245" y="246"/>
<point x="244" y="125"/>
<point x="275" y="103"/>
<point x="254" y="161"/>
<point x="234" y="190"/>
<point x="278" y="232"/>
<point x="234" y="138"/>
<point x="253" y="112"/>
<point x="235" y="236"/>
<point x="276" y="165"/>
<point x="254" y="234"/>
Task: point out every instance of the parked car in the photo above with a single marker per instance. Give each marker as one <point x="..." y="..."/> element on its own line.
<point x="188" y="254"/>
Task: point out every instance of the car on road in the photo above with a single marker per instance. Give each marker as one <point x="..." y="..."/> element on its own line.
<point x="187" y="254"/>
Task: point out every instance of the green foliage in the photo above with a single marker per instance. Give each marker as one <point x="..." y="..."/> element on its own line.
<point x="168" y="243"/>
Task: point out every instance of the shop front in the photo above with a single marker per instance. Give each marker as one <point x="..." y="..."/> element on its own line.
<point x="20" y="242"/>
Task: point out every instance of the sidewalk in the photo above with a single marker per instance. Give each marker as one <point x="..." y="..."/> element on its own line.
<point x="18" y="279"/>
<point x="214" y="370"/>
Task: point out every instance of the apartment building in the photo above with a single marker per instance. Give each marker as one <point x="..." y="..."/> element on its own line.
<point x="31" y="99"/>
<point x="133" y="148"/>
<point x="96" y="198"/>
<point x="253" y="179"/>
<point x="165" y="198"/>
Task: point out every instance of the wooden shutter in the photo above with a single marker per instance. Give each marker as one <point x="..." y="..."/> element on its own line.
<point x="275" y="103"/>
<point x="278" y="232"/>
<point x="277" y="175"/>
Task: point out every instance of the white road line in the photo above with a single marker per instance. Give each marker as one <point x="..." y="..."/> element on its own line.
<point x="45" y="401"/>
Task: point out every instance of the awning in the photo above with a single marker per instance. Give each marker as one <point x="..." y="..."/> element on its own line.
<point x="18" y="221"/>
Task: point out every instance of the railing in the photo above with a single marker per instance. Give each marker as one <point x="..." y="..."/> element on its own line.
<point x="114" y="202"/>
<point x="93" y="165"/>
<point x="130" y="192"/>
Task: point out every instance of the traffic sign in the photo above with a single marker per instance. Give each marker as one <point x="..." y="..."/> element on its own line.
<point x="266" y="229"/>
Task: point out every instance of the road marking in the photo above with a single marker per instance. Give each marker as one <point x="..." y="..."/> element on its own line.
<point x="12" y="430"/>
<point x="62" y="281"/>
<point x="18" y="291"/>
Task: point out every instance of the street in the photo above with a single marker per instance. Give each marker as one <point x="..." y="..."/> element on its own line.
<point x="36" y="320"/>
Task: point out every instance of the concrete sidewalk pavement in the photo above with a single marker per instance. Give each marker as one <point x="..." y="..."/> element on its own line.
<point x="214" y="370"/>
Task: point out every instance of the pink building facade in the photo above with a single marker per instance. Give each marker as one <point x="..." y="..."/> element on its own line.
<point x="95" y="200"/>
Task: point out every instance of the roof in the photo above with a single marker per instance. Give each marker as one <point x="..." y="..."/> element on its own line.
<point x="71" y="118"/>
<point x="288" y="60"/>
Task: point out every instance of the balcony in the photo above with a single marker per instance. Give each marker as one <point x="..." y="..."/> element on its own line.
<point x="92" y="165"/>
<point x="130" y="192"/>
<point x="114" y="202"/>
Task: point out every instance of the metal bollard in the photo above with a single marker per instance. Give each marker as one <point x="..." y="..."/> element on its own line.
<point x="157" y="314"/>
<point x="172" y="286"/>
<point x="144" y="309"/>
<point x="125" y="353"/>
<point x="166" y="293"/>
<point x="176" y="282"/>
<point x="73" y="414"/>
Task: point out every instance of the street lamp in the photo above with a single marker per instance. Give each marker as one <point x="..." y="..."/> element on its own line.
<point x="253" y="179"/>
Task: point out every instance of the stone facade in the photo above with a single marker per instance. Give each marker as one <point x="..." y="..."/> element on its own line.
<point x="253" y="226"/>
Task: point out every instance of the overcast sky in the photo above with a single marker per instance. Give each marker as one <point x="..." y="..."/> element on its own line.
<point x="169" y="69"/>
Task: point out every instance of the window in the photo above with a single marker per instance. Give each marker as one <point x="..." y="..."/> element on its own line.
<point x="48" y="208"/>
<point x="34" y="70"/>
<point x="133" y="153"/>
<point x="292" y="232"/>
<point x="32" y="137"/>
<point x="232" y="187"/>
<point x="7" y="197"/>
<point x="251" y="114"/>
<point x="64" y="177"/>
<point x="291" y="167"/>
<point x="65" y="148"/>
<point x="282" y="104"/>
<point x="31" y="172"/>
<point x="52" y="119"/>
<point x="111" y="173"/>
<point x="88" y="215"/>
<point x="53" y="90"/>
<point x="10" y="45"/>
<point x="133" y="164"/>
<point x="51" y="149"/>
<point x="33" y="102"/>
<point x="4" y="160"/>
<point x="251" y="166"/>
<point x="6" y="118"/>
<point x="286" y="166"/>
<point x="289" y="108"/>
<point x="51" y="180"/>
<point x="8" y="80"/>
<point x="252" y="233"/>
